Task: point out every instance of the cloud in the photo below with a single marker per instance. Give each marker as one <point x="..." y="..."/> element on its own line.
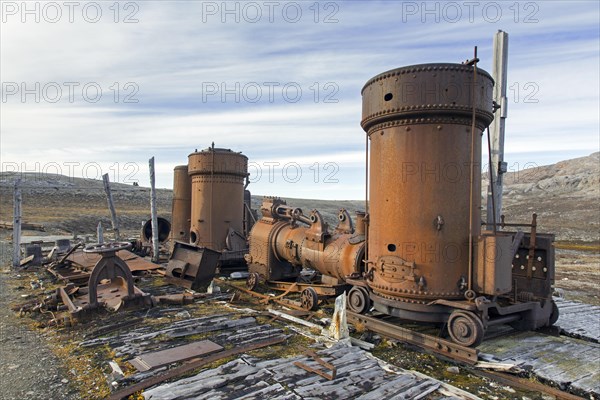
<point x="195" y="79"/>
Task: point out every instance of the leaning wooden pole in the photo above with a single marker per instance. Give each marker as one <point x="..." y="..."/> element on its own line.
<point x="111" y="206"/>
<point x="17" y="198"/>
<point x="153" y="211"/>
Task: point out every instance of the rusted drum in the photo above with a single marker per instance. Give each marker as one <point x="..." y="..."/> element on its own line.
<point x="217" y="195"/>
<point x="180" y="215"/>
<point x="164" y="228"/>
<point x="418" y="119"/>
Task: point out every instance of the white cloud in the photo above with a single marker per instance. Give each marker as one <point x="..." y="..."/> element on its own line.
<point x="176" y="47"/>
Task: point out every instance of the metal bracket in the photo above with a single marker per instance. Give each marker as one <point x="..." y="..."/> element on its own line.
<point x="329" y="376"/>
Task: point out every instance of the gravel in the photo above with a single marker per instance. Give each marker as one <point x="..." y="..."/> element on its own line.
<point x="29" y="369"/>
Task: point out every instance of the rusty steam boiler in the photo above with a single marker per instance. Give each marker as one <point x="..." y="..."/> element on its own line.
<point x="285" y="241"/>
<point x="211" y="207"/>
<point x="425" y="255"/>
<point x="217" y="212"/>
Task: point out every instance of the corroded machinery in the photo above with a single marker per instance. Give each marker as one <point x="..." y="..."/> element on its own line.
<point x="211" y="214"/>
<point x="284" y="242"/>
<point x="217" y="200"/>
<point x="423" y="159"/>
<point x="426" y="257"/>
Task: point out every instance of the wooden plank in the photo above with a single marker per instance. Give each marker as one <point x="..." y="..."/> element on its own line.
<point x="191" y="365"/>
<point x="155" y="359"/>
<point x="26" y="260"/>
<point x="134" y="262"/>
<point x="153" y="214"/>
<point x="16" y="234"/>
<point x="111" y="206"/>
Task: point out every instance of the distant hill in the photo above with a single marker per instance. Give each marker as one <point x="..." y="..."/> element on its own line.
<point x="565" y="195"/>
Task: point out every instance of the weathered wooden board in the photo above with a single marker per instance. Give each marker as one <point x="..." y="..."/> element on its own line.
<point x="134" y="262"/>
<point x="567" y="362"/>
<point x="579" y="320"/>
<point x="147" y="361"/>
<point x="359" y="376"/>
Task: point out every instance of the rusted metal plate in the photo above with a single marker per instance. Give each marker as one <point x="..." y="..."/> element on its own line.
<point x="139" y="264"/>
<point x="191" y="263"/>
<point x="70" y="274"/>
<point x="134" y="262"/>
<point x="155" y="359"/>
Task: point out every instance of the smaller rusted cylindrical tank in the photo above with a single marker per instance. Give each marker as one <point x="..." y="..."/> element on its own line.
<point x="217" y="196"/>
<point x="181" y="209"/>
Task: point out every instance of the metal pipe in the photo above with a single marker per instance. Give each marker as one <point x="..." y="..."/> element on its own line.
<point x="494" y="226"/>
<point x="473" y="94"/>
<point x="212" y="185"/>
<point x="497" y="164"/>
<point x="365" y="220"/>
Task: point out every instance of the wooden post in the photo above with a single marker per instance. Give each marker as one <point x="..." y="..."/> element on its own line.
<point x="111" y="206"/>
<point x="498" y="166"/>
<point x="17" y="224"/>
<point x="153" y="212"/>
<point x="100" y="233"/>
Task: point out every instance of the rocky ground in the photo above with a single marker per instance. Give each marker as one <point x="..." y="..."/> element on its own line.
<point x="565" y="196"/>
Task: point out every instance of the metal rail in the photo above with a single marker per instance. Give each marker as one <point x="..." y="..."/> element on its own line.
<point x="261" y="296"/>
<point x="439" y="346"/>
<point x="525" y="384"/>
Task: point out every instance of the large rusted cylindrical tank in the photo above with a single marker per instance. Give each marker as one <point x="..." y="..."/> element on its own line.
<point x="423" y="157"/>
<point x="180" y="212"/>
<point x="217" y="195"/>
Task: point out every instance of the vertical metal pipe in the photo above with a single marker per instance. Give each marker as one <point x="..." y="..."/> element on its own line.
<point x="365" y="220"/>
<point x="492" y="185"/>
<point x="497" y="164"/>
<point x="472" y="172"/>
<point x="212" y="185"/>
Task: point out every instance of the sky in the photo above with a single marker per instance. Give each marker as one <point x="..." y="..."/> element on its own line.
<point x="100" y="87"/>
